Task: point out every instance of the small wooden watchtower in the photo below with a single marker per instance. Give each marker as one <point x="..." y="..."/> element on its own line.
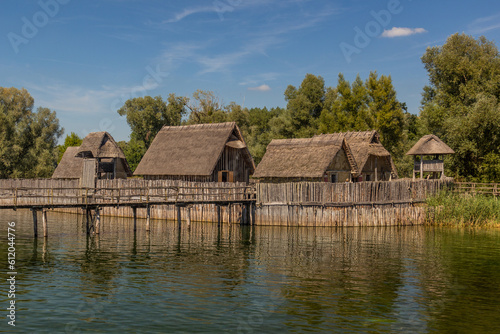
<point x="429" y="145"/>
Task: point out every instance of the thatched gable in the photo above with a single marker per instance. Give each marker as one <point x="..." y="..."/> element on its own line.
<point x="100" y="145"/>
<point x="363" y="144"/>
<point x="430" y="145"/>
<point x="299" y="158"/>
<point x="192" y="150"/>
<point x="70" y="167"/>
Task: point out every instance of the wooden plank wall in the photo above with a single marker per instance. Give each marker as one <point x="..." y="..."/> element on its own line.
<point x="344" y="204"/>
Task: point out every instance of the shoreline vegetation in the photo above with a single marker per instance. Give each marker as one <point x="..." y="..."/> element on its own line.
<point x="449" y="208"/>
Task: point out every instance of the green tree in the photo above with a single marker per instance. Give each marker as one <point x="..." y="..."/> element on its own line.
<point x="207" y="108"/>
<point x="304" y="105"/>
<point x="134" y="150"/>
<point x="71" y="140"/>
<point x="28" y="139"/>
<point x="461" y="104"/>
<point x="147" y="115"/>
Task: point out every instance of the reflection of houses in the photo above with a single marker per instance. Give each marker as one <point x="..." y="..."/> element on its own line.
<point x="203" y="152"/>
<point x="429" y="145"/>
<point x="309" y="159"/>
<point x="98" y="157"/>
<point x="373" y="160"/>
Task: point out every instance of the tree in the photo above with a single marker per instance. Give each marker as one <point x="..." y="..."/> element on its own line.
<point x="28" y="139"/>
<point x="147" y="115"/>
<point x="461" y="105"/>
<point x="207" y="108"/>
<point x="304" y="105"/>
<point x="71" y="140"/>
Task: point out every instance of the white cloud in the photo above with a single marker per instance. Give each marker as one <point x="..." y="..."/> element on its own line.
<point x="400" y="32"/>
<point x="485" y="24"/>
<point x="261" y="88"/>
<point x="190" y="11"/>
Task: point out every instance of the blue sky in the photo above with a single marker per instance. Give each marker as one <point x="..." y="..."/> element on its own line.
<point x="84" y="59"/>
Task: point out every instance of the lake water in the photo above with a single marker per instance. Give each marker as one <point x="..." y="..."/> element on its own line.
<point x="251" y="279"/>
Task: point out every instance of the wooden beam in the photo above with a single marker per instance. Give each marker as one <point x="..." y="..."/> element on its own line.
<point x="179" y="217"/>
<point x="188" y="218"/>
<point x="148" y="218"/>
<point x="97" y="228"/>
<point x="134" y="212"/>
<point x="35" y="222"/>
<point x="44" y="223"/>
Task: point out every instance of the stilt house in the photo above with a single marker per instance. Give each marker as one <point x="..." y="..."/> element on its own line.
<point x="310" y="159"/>
<point x="98" y="157"/>
<point x="429" y="146"/>
<point x="203" y="153"/>
<point x="374" y="162"/>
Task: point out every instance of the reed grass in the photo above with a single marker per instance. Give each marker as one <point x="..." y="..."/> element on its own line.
<point x="449" y="208"/>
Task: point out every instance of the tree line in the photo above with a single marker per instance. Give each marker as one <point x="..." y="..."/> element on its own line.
<point x="460" y="105"/>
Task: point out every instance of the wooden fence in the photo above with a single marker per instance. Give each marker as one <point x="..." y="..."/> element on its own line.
<point x="49" y="192"/>
<point x="477" y="188"/>
<point x="319" y="193"/>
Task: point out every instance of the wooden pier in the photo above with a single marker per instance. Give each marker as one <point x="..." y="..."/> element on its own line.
<point x="287" y="204"/>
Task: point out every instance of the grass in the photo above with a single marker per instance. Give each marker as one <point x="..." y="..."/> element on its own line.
<point x="448" y="208"/>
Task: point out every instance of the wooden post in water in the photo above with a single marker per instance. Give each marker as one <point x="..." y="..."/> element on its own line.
<point x="148" y="217"/>
<point x="218" y="215"/>
<point x="134" y="212"/>
<point x="35" y="222"/>
<point x="97" y="226"/>
<point x="229" y="213"/>
<point x="179" y="217"/>
<point x="87" y="224"/>
<point x="188" y="218"/>
<point x="44" y="223"/>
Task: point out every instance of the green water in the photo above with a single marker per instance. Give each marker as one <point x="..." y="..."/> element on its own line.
<point x="251" y="280"/>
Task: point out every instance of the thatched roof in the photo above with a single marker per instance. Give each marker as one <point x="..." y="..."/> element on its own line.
<point x="191" y="149"/>
<point x="363" y="144"/>
<point x="301" y="158"/>
<point x="430" y="145"/>
<point x="100" y="145"/>
<point x="70" y="167"/>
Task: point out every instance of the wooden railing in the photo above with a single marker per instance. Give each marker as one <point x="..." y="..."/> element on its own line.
<point x="124" y="193"/>
<point x="477" y="188"/>
<point x="429" y="166"/>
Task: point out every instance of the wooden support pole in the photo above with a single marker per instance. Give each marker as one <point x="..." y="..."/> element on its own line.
<point x="44" y="223"/>
<point x="97" y="226"/>
<point x="421" y="167"/>
<point x="35" y="222"/>
<point x="188" y="218"/>
<point x="87" y="224"/>
<point x="244" y="214"/>
<point x="148" y="218"/>
<point x="229" y="213"/>
<point x="179" y="217"/>
<point x="134" y="212"/>
<point x="218" y="215"/>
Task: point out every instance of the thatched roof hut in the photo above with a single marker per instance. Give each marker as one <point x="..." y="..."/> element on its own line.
<point x="106" y="155"/>
<point x="367" y="151"/>
<point x="202" y="152"/>
<point x="430" y="145"/>
<point x="303" y="159"/>
<point x="70" y="167"/>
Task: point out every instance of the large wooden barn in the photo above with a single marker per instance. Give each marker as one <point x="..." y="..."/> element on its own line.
<point x="98" y="157"/>
<point x="308" y="159"/>
<point x="373" y="160"/>
<point x="203" y="153"/>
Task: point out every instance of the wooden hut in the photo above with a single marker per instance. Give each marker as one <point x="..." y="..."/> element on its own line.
<point x="310" y="159"/>
<point x="70" y="167"/>
<point x="203" y="153"/>
<point x="429" y="146"/>
<point x="98" y="157"/>
<point x="373" y="161"/>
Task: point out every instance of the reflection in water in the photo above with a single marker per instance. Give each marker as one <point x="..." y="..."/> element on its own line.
<point x="211" y="278"/>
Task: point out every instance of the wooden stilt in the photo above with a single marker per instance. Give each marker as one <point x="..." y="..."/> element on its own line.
<point x="148" y="217"/>
<point x="218" y="215"/>
<point x="35" y="223"/>
<point x="97" y="228"/>
<point x="229" y="213"/>
<point x="87" y="223"/>
<point x="134" y="212"/>
<point x="179" y="217"/>
<point x="188" y="218"/>
<point x="44" y="223"/>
